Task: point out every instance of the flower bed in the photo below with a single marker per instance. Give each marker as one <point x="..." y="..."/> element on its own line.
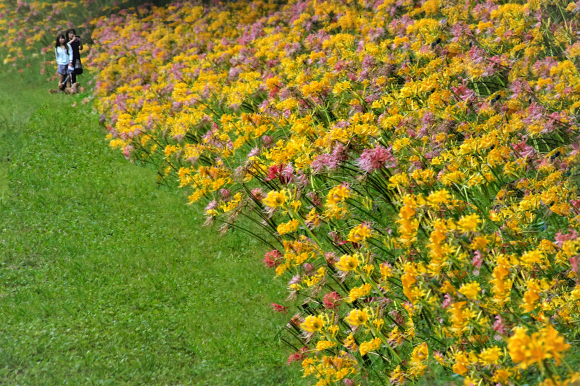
<point x="411" y="167"/>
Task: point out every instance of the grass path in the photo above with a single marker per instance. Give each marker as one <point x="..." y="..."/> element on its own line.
<point x="107" y="279"/>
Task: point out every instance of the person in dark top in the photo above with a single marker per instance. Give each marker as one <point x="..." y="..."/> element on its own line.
<point x="75" y="42"/>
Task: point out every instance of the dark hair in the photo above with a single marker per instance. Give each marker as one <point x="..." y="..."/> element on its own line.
<point x="69" y="31"/>
<point x="61" y="35"/>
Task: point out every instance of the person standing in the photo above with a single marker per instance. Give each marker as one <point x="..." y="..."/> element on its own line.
<point x="75" y="42"/>
<point x="64" y="61"/>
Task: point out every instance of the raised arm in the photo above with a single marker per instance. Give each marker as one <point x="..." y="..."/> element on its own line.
<point x="70" y="54"/>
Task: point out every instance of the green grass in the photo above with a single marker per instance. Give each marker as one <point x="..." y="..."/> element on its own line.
<point x="106" y="278"/>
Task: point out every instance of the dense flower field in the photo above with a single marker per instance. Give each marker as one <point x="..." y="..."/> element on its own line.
<point x="411" y="166"/>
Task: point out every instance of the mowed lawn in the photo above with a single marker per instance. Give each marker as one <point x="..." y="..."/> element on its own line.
<point x="106" y="278"/>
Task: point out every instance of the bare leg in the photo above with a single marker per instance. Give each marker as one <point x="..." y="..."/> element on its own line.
<point x="68" y="81"/>
<point x="61" y="82"/>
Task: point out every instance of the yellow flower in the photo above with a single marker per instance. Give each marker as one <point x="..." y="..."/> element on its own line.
<point x="231" y="205"/>
<point x="347" y="263"/>
<point x="531" y="296"/>
<point x="366" y="347"/>
<point x="324" y="345"/>
<point x="461" y="363"/>
<point x="469" y="223"/>
<point x="408" y="225"/>
<point x="337" y="194"/>
<point x="501" y="375"/>
<point x="315" y="279"/>
<point x="575" y="294"/>
<point x="533" y="257"/>
<point x="281" y="269"/>
<point x="408" y="279"/>
<point x="526" y="350"/>
<point x="470" y="290"/>
<point x="398" y="376"/>
<point x="275" y="199"/>
<point x="211" y="212"/>
<point x="358" y="292"/>
<point x="288" y="227"/>
<point x="430" y="7"/>
<point x="359" y="233"/>
<point x="398" y="180"/>
<point x="349" y="342"/>
<point x="357" y="317"/>
<point x="439" y="197"/>
<point x="490" y="356"/>
<point x="312" y="323"/>
<point x="418" y="360"/>
<point x="439" y="357"/>
<point x="478" y="242"/>
<point x="447" y="287"/>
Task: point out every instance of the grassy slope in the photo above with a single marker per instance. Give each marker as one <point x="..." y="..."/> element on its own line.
<point x="105" y="278"/>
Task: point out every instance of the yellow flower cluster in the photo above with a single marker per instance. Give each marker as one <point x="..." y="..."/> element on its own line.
<point x="526" y="350"/>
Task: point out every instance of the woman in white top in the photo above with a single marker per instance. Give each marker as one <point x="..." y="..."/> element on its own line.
<point x="64" y="61"/>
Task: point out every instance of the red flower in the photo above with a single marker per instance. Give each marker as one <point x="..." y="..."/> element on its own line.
<point x="279" y="308"/>
<point x="297" y="357"/>
<point x="284" y="173"/>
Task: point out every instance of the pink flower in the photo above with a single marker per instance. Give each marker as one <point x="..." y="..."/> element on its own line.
<point x="212" y="205"/>
<point x="225" y="194"/>
<point x="266" y="140"/>
<point x="397" y="317"/>
<point x="447" y="302"/>
<point x="258" y="194"/>
<point x="464" y="93"/>
<point x="574" y="263"/>
<point x="333" y="160"/>
<point x="127" y="151"/>
<point x="476" y="262"/>
<point x="331" y="300"/>
<point x="274" y="172"/>
<point x="254" y="152"/>
<point x="376" y="33"/>
<point x="331" y="258"/>
<point x="524" y="149"/>
<point x="281" y="172"/>
<point x="272" y="259"/>
<point x="373" y="159"/>
<point x="499" y="325"/>
<point x="316" y="201"/>
<point x="561" y="238"/>
<point x="295" y="280"/>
